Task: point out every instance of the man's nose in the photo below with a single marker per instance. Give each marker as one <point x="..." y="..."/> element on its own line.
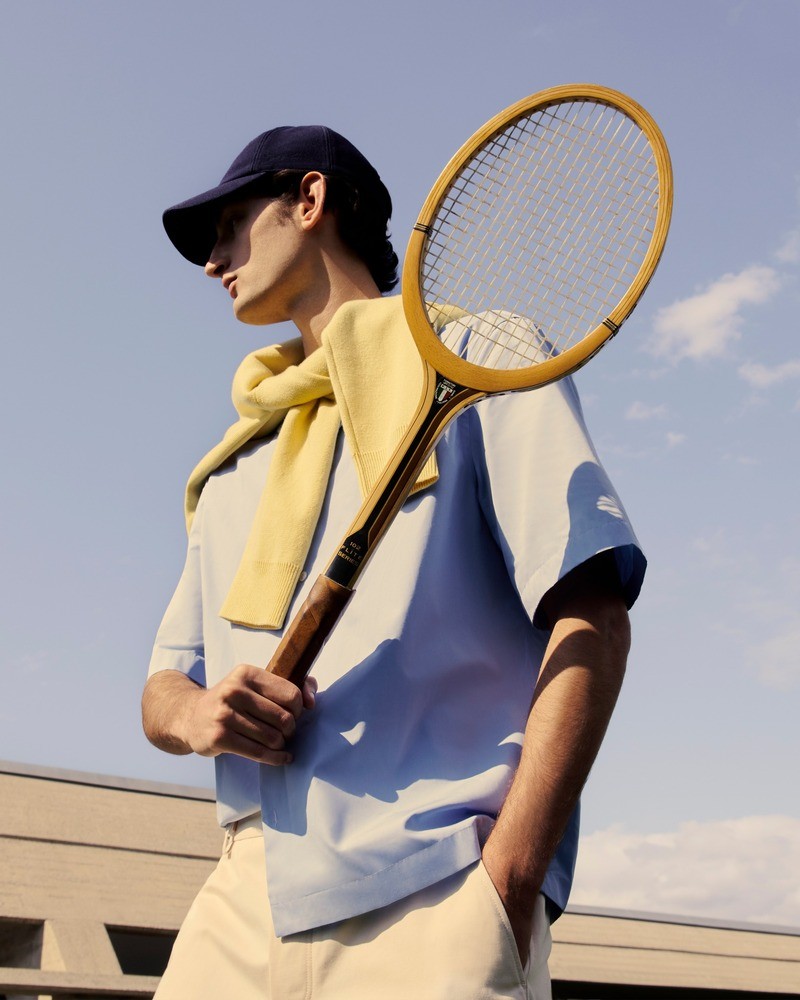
<point x="215" y="266"/>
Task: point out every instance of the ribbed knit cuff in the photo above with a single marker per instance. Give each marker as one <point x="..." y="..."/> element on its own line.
<point x="370" y="466"/>
<point x="261" y="593"/>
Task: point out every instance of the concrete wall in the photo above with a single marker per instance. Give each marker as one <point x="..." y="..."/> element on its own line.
<point x="97" y="874"/>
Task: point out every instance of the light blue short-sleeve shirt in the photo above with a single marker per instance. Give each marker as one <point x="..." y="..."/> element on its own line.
<point x="424" y="687"/>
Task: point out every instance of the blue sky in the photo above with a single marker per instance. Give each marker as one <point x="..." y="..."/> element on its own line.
<point x="118" y="357"/>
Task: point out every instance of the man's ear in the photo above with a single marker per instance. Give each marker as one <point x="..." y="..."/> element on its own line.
<point x="311" y="199"/>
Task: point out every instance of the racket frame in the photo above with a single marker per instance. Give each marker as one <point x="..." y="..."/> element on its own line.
<point x="489" y="380"/>
<point x="451" y="383"/>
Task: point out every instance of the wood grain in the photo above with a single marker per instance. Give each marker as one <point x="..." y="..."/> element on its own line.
<point x="309" y="630"/>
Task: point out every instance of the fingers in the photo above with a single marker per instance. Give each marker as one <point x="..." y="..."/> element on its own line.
<point x="259" y="731"/>
<point x="263" y="709"/>
<point x="250" y="713"/>
<point x="255" y="750"/>
<point x="274" y="689"/>
<point x="309" y="692"/>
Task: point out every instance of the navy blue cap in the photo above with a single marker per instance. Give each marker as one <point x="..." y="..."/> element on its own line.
<point x="191" y="225"/>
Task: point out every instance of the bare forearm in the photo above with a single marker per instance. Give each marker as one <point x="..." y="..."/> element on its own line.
<point x="575" y="695"/>
<point x="167" y="700"/>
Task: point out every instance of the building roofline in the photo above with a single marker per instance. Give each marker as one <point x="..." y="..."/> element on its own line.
<point x="106" y="781"/>
<point x="686" y="920"/>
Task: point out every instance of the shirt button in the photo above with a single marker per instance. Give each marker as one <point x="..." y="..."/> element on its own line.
<point x="304" y="575"/>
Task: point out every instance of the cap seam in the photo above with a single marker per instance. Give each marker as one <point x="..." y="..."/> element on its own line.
<point x="326" y="134"/>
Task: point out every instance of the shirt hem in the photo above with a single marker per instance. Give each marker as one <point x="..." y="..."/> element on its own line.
<point x="370" y="892"/>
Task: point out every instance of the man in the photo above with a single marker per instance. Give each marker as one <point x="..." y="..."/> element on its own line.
<point x="406" y="825"/>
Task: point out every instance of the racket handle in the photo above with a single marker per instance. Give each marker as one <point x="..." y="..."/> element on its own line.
<point x="309" y="630"/>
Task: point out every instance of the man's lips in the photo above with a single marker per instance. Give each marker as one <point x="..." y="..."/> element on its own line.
<point x="228" y="284"/>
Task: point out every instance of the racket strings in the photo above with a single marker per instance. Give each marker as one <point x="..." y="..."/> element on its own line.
<point x="542" y="232"/>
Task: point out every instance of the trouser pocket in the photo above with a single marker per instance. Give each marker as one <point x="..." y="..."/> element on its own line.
<point x="510" y="945"/>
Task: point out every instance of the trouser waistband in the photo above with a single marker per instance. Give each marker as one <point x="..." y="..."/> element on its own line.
<point x="238" y="827"/>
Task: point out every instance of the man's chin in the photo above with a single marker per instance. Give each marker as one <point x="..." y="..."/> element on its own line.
<point x="252" y="315"/>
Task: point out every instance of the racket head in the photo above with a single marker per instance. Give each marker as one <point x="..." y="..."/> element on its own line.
<point x="548" y="224"/>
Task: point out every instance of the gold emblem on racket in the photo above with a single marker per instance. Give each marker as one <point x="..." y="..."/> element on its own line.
<point x="444" y="390"/>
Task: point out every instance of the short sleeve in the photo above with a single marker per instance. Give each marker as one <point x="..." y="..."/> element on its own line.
<point x="547" y="499"/>
<point x="179" y="640"/>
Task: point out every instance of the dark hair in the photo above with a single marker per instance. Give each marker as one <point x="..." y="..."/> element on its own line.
<point x="361" y="218"/>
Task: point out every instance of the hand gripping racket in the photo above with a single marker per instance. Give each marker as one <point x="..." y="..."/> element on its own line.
<point x="531" y="250"/>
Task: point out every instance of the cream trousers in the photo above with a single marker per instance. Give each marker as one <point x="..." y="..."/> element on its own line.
<point x="451" y="941"/>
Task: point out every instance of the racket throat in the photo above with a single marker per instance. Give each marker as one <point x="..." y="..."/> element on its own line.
<point x="444" y="400"/>
<point x="349" y="559"/>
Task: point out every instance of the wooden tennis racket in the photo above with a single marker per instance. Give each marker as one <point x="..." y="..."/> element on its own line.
<point x="531" y="250"/>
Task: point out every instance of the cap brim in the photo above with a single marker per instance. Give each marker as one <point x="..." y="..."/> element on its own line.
<point x="192" y="225"/>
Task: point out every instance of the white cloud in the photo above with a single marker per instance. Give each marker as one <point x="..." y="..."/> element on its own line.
<point x="674" y="439"/>
<point x="789" y="251"/>
<point x="641" y="411"/>
<point x="777" y="659"/>
<point x="716" y="549"/>
<point x="32" y="662"/>
<point x="706" y="324"/>
<point x="744" y="869"/>
<point x="762" y="376"/>
<point x="737" y="458"/>
<point x="735" y="12"/>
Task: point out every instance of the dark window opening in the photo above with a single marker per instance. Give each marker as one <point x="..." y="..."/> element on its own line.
<point x="21" y="943"/>
<point x="141" y="953"/>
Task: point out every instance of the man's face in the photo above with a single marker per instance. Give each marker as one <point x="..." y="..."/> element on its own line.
<point x="261" y="257"/>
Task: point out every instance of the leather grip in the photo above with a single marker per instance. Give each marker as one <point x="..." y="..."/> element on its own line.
<point x="309" y="629"/>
